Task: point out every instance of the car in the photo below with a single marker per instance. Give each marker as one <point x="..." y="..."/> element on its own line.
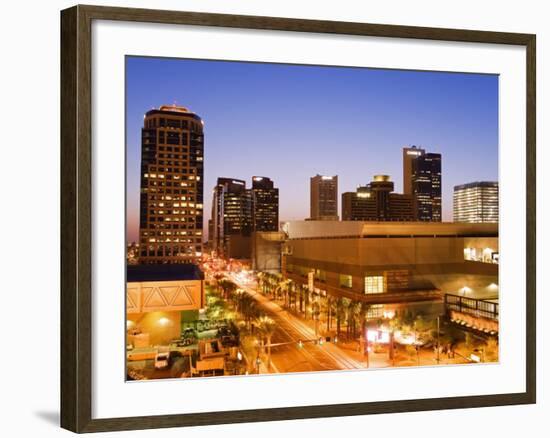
<point x="188" y="336"/>
<point x="229" y="336"/>
<point x="162" y="360"/>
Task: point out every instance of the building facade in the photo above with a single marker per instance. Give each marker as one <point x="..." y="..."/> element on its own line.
<point x="156" y="296"/>
<point x="266" y="251"/>
<point x="426" y="186"/>
<point x="324" y="198"/>
<point x="171" y="195"/>
<point x="377" y="202"/>
<point x="231" y="214"/>
<point x="265" y="204"/>
<point x="409" y="155"/>
<point x="388" y="265"/>
<point x="476" y="202"/>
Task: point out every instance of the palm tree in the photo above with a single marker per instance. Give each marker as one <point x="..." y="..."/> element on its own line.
<point x="282" y="286"/>
<point x="261" y="281"/>
<point x="354" y="312"/>
<point x="292" y="292"/>
<point x="248" y="308"/>
<point x="218" y="278"/>
<point x="307" y="300"/>
<point x="228" y="287"/>
<point x="315" y="314"/>
<point x="267" y="328"/>
<point x="340" y="313"/>
<point x="346" y="313"/>
<point x="328" y="307"/>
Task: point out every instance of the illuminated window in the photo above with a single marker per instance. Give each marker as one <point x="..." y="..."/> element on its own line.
<point x="321" y="275"/>
<point x="346" y="281"/>
<point x="375" y="284"/>
<point x="375" y="311"/>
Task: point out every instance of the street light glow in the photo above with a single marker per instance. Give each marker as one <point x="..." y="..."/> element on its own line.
<point x="163" y="321"/>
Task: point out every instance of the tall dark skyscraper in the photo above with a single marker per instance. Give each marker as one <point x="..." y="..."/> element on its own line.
<point x="377" y="202"/>
<point x="426" y="183"/>
<point x="324" y="198"/>
<point x="171" y="197"/>
<point x="265" y="204"/>
<point x="409" y="155"/>
<point x="231" y="212"/>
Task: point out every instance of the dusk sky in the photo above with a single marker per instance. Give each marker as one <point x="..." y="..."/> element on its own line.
<point x="291" y="122"/>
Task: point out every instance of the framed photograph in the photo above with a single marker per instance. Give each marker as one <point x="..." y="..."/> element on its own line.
<point x="270" y="218"/>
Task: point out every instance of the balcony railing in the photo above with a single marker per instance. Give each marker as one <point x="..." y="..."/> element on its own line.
<point x="472" y="306"/>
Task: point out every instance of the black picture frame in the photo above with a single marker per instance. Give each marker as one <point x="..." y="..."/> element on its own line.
<point x="76" y="217"/>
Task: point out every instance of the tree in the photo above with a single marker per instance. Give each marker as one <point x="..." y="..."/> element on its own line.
<point x="290" y="295"/>
<point x="363" y="315"/>
<point x="425" y="329"/>
<point x="355" y="316"/>
<point x="302" y="292"/>
<point x="282" y="288"/>
<point x="261" y="281"/>
<point x="248" y="308"/>
<point x="340" y="313"/>
<point x="348" y="314"/>
<point x="228" y="287"/>
<point x="267" y="328"/>
<point x="218" y="277"/>
<point x="316" y="314"/>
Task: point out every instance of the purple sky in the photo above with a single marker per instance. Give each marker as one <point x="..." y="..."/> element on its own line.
<point x="291" y="122"/>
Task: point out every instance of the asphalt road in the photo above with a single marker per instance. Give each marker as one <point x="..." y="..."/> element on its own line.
<point x="291" y="358"/>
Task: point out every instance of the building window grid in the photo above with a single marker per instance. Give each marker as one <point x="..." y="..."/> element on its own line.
<point x="375" y="284"/>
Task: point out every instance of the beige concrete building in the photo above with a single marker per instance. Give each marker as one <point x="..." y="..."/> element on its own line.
<point x="392" y="263"/>
<point x="155" y="297"/>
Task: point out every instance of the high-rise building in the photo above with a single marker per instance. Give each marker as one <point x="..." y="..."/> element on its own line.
<point x="231" y="213"/>
<point x="171" y="198"/>
<point x="324" y="198"/>
<point x="265" y="204"/>
<point x="409" y="155"/>
<point x="426" y="184"/>
<point x="476" y="202"/>
<point x="376" y="202"/>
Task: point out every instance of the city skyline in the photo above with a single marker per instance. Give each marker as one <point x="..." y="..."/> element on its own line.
<point x="292" y="122"/>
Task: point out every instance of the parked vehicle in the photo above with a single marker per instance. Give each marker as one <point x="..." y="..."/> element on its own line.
<point x="228" y="336"/>
<point x="162" y="360"/>
<point x="188" y="337"/>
